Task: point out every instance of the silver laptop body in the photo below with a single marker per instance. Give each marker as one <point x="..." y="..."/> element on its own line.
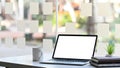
<point x="73" y="49"/>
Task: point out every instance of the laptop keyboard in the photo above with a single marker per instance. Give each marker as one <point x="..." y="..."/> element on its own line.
<point x="62" y="60"/>
<point x="65" y="62"/>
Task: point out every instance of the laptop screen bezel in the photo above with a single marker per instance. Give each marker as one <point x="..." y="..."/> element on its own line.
<point x="73" y="35"/>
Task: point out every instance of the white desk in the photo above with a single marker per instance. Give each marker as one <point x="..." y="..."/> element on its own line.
<point x="26" y="62"/>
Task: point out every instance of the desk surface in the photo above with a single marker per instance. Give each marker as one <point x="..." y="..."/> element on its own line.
<point x="26" y="62"/>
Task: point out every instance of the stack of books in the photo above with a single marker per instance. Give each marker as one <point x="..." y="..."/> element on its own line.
<point x="105" y="61"/>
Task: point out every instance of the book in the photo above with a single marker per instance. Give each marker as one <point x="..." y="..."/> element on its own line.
<point x="106" y="60"/>
<point x="105" y="65"/>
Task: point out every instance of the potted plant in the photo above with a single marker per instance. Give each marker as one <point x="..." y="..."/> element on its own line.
<point x="110" y="50"/>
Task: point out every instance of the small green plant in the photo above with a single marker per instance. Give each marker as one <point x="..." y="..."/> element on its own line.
<point x="110" y="49"/>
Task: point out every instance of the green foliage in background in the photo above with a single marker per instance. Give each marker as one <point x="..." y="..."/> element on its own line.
<point x="3" y="28"/>
<point x="115" y="21"/>
<point x="65" y="18"/>
<point x="62" y="19"/>
<point x="81" y="21"/>
<point x="54" y="19"/>
<point x="39" y="18"/>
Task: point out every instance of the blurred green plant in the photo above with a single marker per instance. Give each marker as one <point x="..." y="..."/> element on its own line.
<point x="110" y="48"/>
<point x="39" y="18"/>
<point x="3" y="28"/>
<point x="63" y="18"/>
<point x="81" y="21"/>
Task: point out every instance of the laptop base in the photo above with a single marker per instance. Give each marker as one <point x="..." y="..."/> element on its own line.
<point x="63" y="62"/>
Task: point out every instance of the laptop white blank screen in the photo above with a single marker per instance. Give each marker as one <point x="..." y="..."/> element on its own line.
<point x="75" y="47"/>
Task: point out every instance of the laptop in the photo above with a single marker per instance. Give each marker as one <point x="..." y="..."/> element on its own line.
<point x="73" y="49"/>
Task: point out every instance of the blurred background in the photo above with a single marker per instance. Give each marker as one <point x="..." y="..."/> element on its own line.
<point x="66" y="17"/>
